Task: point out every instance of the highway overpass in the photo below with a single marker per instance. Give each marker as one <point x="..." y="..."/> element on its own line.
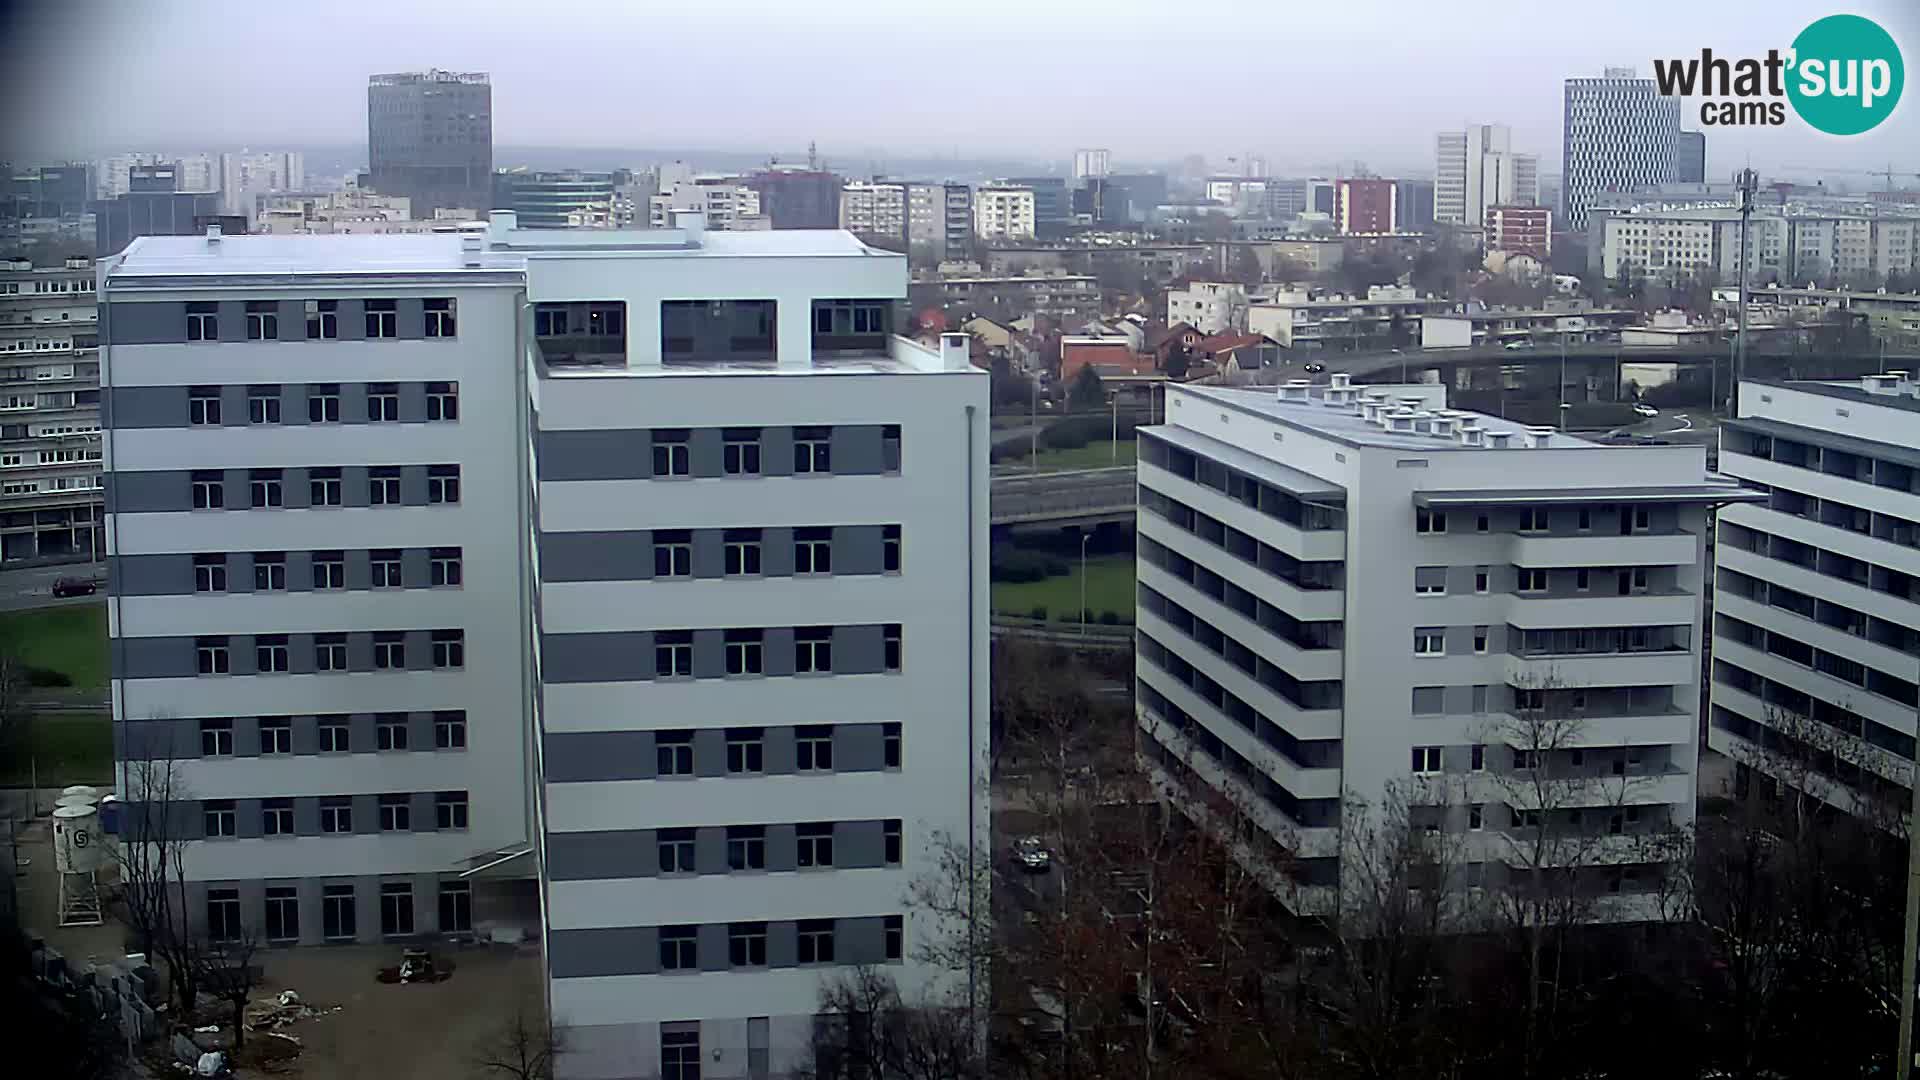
<point x="1083" y="496"/>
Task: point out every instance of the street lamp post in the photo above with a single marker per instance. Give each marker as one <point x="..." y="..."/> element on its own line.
<point x="1084" y="537"/>
<point x="1115" y="398"/>
<point x="1033" y="426"/>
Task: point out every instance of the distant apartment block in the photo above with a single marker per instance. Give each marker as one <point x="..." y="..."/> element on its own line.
<point x="1063" y="296"/>
<point x="1088" y="163"/>
<point x="1357" y="592"/>
<point x="1791" y="245"/>
<point x="155" y="205"/>
<point x="1477" y="168"/>
<point x="245" y="177"/>
<point x="430" y="139"/>
<point x="50" y="452"/>
<point x="1003" y="213"/>
<point x="1366" y="206"/>
<point x="568" y="199"/>
<point x="564" y="582"/>
<point x="1413" y="205"/>
<point x="876" y="209"/>
<point x="797" y="198"/>
<point x="1817" y="598"/>
<point x="1388" y="315"/>
<point x="1211" y="307"/>
<point x="1519" y="230"/>
<point x="730" y="205"/>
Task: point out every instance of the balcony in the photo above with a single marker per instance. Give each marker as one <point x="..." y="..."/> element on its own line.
<point x="1674" y="667"/>
<point x="1531" y="612"/>
<point x="1674" y="548"/>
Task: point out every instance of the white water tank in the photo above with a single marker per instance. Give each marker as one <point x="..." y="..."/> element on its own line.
<point x="81" y="789"/>
<point x="76" y="840"/>
<point x="75" y="800"/>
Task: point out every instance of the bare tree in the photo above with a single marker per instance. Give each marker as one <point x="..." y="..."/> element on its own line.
<point x="227" y="970"/>
<point x="151" y="859"/>
<point x="524" y="1049"/>
<point x="866" y="1031"/>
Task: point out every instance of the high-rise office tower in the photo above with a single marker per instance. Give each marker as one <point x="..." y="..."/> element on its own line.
<point x="1691" y="165"/>
<point x="1477" y="168"/>
<point x="1619" y="133"/>
<point x="1817" y="599"/>
<point x="1091" y="163"/>
<point x="487" y="580"/>
<point x="430" y="138"/>
<point x="1355" y="592"/>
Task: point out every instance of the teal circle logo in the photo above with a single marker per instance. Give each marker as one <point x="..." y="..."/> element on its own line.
<point x="1846" y="76"/>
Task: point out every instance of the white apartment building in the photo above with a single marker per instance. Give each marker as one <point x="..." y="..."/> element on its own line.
<point x="246" y="176"/>
<point x="648" y="663"/>
<point x="1793" y="245"/>
<point x="1003" y="213"/>
<point x="877" y="209"/>
<point x="50" y="454"/>
<point x="1477" y="168"/>
<point x="1347" y="589"/>
<point x="728" y="204"/>
<point x="1672" y="244"/>
<point x="1211" y="307"/>
<point x="1087" y="163"/>
<point x="1388" y="314"/>
<point x="1817" y="594"/>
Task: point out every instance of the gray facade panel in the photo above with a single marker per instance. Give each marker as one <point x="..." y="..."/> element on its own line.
<point x="410" y="322"/>
<point x="151" y="492"/>
<point x="300" y="654"/>
<point x="306" y="815"/>
<point x="420" y="730"/>
<point x="858" y="748"/>
<point x="776" y="552"/>
<point x="623" y="950"/>
<point x="366" y="813"/>
<point x="859" y="650"/>
<point x="783" y="944"/>
<point x="239" y="493"/>
<point x="710" y="849"/>
<point x="704" y="452"/>
<point x="293" y="403"/>
<point x="710" y="752"/>
<point x="360" y="729"/>
<point x="778" y="755"/>
<point x="233" y="320"/>
<point x="353" y="403"/>
<point x="776" y="451"/>
<point x="779" y="650"/>
<point x="783" y="848"/>
<point x="584" y="756"/>
<point x="233" y="406"/>
<point x="296" y="489"/>
<point x="246" y="736"/>
<point x="413" y="485"/>
<point x="859" y="941"/>
<point x="151" y="575"/>
<point x="598" y="556"/>
<point x="353" y="321"/>
<point x="592" y="856"/>
<point x="419" y="646"/>
<point x="246" y="818"/>
<point x="240" y="571"/>
<point x="128" y="407"/>
<point x="156" y="657"/>
<point x="713" y="947"/>
<point x="859" y="844"/>
<point x="359" y="568"/>
<point x="415" y="571"/>
<point x="355" y="489"/>
<point x="610" y="657"/>
<point x="413" y="402"/>
<point x="709" y="553"/>
<point x="306" y="731"/>
<point x="856" y="450"/>
<point x="709" y="654"/>
<point x="423" y="812"/>
<point x="856" y="549"/>
<point x="595" y="455"/>
<point x="144" y="324"/>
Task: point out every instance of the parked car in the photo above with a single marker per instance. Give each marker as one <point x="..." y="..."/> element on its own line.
<point x="68" y="586"/>
<point x="1516" y="346"/>
<point x="1031" y="855"/>
<point x="1645" y="410"/>
<point x="1314" y="368"/>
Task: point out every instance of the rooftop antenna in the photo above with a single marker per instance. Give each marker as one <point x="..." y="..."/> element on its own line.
<point x="813" y="159"/>
<point x="1747" y="181"/>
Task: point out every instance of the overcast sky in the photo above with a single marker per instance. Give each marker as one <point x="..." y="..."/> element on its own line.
<point x="1304" y="83"/>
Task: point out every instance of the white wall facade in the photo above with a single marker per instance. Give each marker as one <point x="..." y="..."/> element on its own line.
<point x="1003" y="213"/>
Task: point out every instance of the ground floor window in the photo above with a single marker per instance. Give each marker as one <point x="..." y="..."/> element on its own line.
<point x="456" y="907"/>
<point x="396" y="908"/>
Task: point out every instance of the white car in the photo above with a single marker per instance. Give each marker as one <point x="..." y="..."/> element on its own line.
<point x="1645" y="410"/>
<point x="1516" y="346"/>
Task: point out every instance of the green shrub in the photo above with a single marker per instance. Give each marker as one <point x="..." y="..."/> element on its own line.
<point x="1038" y="614"/>
<point x="1019" y="565"/>
<point x="39" y="676"/>
<point x="1109" y="618"/>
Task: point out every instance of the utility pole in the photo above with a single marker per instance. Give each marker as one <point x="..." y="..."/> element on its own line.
<point x="1748" y="181"/>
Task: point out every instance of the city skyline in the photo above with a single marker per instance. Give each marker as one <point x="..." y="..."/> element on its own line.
<point x="584" y="97"/>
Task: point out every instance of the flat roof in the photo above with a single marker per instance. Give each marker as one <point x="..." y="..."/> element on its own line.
<point x="1645" y="493"/>
<point x="1350" y="428"/>
<point x="1845" y="392"/>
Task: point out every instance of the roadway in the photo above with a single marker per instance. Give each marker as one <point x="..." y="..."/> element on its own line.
<point x="1092" y="495"/>
<point x="32" y="586"/>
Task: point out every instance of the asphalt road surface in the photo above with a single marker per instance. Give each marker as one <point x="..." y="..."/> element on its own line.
<point x="32" y="587"/>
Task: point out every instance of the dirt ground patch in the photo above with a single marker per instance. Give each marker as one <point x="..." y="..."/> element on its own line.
<point x="425" y="1032"/>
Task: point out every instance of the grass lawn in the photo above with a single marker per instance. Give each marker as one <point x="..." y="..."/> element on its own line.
<point x="68" y="748"/>
<point x="1094" y="455"/>
<point x="70" y="639"/>
<point x="1109" y="588"/>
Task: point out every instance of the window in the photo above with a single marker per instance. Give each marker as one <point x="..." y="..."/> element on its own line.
<point x="450" y="810"/>
<point x="672" y="553"/>
<point x="815" y="840"/>
<point x="676" y="850"/>
<point x="890" y="549"/>
<point x="890" y="745"/>
<point x="1642" y="519"/>
<point x="1482" y="578"/>
<point x="1633" y="580"/>
<point x="209" y="573"/>
<point x="743" y="649"/>
<point x="746" y="847"/>
<point x="671" y="453"/>
<point x="203" y="321"/>
<point x="276" y="735"/>
<point x="1529" y="699"/>
<point x="210" y="653"/>
<point x="1429" y="521"/>
<point x="1429" y="580"/>
<point x="1526" y="759"/>
<point x="439" y="318"/>
<point x="1476" y="817"/>
<point x="216" y="737"/>
<point x="1429" y="641"/>
<point x="812" y="450"/>
<point x="890" y="647"/>
<point x="673" y="753"/>
<point x="263" y="489"/>
<point x="209" y="491"/>
<point x="1581" y="580"/>
<point x="813" y="650"/>
<point x="816" y="941"/>
<point x="890" y="448"/>
<point x="449" y="648"/>
<point x="323" y="403"/>
<point x="1533" y="519"/>
<point x="813" y="551"/>
<point x="892" y="844"/>
<point x="456" y="907"/>
<point x="383" y="565"/>
<point x="203" y="406"/>
<point x="336" y="735"/>
<point x="323" y="487"/>
<point x="740" y="451"/>
<point x="1479" y="757"/>
<point x="444" y="564"/>
<point x="396" y="908"/>
<point x="747" y="944"/>
<point x="323" y="320"/>
<point x="893" y="933"/>
<point x="1586" y="520"/>
<point x="742" y="552"/>
<point x="746" y="750"/>
<point x="443" y="401"/>
<point x="443" y="484"/>
<point x="270" y="571"/>
<point x="283" y="914"/>
<point x="217" y="817"/>
<point x="680" y="1053"/>
<point x="450" y="730"/>
<point x="396" y="813"/>
<point x="813" y="748"/>
<point x="390" y="731"/>
<point x="1426" y="760"/>
<point x="1533" y="581"/>
<point x="383" y="485"/>
<point x="337" y="912"/>
<point x="276" y="817"/>
<point x="329" y="569"/>
<point x="383" y="403"/>
<point x="1480" y="639"/>
<point x="223" y="914"/>
<point x="383" y="319"/>
<point x="336" y="814"/>
<point x="263" y="404"/>
<point x="673" y="654"/>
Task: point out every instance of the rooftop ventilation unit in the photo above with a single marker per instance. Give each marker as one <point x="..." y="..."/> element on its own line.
<point x="213" y="233"/>
<point x="1538" y="437"/>
<point x="1443" y="426"/>
<point x="1882" y="384"/>
<point x="1400" y="420"/>
<point x="1499" y="440"/>
<point x="470" y="250"/>
<point x="1296" y="390"/>
<point x="1473" y="435"/>
<point x="1340" y="380"/>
